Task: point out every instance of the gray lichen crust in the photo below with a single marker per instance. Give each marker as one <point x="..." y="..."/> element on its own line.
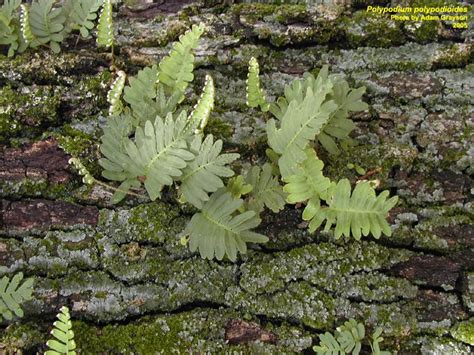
<point x="132" y="286"/>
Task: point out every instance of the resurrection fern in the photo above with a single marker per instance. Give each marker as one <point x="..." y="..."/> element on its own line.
<point x="266" y="190"/>
<point x="176" y="70"/>
<point x="9" y="29"/>
<point x="46" y="24"/>
<point x="105" y="30"/>
<point x="82" y="15"/>
<point x="358" y="213"/>
<point x="114" y="94"/>
<point x="237" y="186"/>
<point x="12" y="295"/>
<point x="218" y="230"/>
<point x="255" y="96"/>
<point x="203" y="108"/>
<point x="26" y="32"/>
<point x="347" y="340"/>
<point x="203" y="174"/>
<point x="63" y="337"/>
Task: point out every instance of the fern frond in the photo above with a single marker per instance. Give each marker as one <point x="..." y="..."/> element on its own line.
<point x="203" y="174"/>
<point x="87" y="178"/>
<point x="105" y="30"/>
<point x="309" y="182"/>
<point x="12" y="295"/>
<point x="359" y="213"/>
<point x="25" y="25"/>
<point x="237" y="186"/>
<point x="201" y="111"/>
<point x="266" y="190"/>
<point x="115" y="93"/>
<point x="299" y="125"/>
<point x="255" y="96"/>
<point x="216" y="231"/>
<point x="350" y="336"/>
<point x="176" y="70"/>
<point x="47" y="24"/>
<point x="375" y="344"/>
<point x="63" y="337"/>
<point x="83" y="14"/>
<point x="9" y="32"/>
<point x="328" y="345"/>
<point x="158" y="155"/>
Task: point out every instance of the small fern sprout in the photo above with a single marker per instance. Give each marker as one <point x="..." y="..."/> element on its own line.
<point x="255" y="96"/>
<point x="87" y="178"/>
<point x="63" y="342"/>
<point x="115" y="93"/>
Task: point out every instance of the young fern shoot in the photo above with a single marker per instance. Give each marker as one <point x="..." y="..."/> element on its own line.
<point x="255" y="96"/>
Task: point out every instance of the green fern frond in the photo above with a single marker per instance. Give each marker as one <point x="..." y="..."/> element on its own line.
<point x="12" y="295"/>
<point x="255" y="96"/>
<point x="25" y="25"/>
<point x="328" y="345"/>
<point x="47" y="24"/>
<point x="176" y="70"/>
<point x="83" y="14"/>
<point x="87" y="178"/>
<point x="298" y="126"/>
<point x="105" y="30"/>
<point x="201" y="111"/>
<point x="203" y="174"/>
<point x="375" y="344"/>
<point x="309" y="182"/>
<point x="359" y="213"/>
<point x="158" y="155"/>
<point x="350" y="336"/>
<point x="63" y="337"/>
<point x="216" y="231"/>
<point x="237" y="186"/>
<point x="266" y="190"/>
<point x="115" y="93"/>
<point x="9" y="28"/>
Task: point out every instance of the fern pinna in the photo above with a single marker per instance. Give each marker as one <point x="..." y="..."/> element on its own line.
<point x="63" y="337"/>
<point x="316" y="110"/>
<point x="13" y="294"/>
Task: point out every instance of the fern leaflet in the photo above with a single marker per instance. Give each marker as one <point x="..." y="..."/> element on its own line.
<point x="237" y="186"/>
<point x="47" y="24"/>
<point x="266" y="190"/>
<point x="9" y="33"/>
<point x="176" y="70"/>
<point x="201" y="111"/>
<point x="105" y="31"/>
<point x="63" y="342"/>
<point x="203" y="174"/>
<point x="359" y="213"/>
<point x="114" y="94"/>
<point x="83" y="14"/>
<point x="12" y="295"/>
<point x="216" y="231"/>
<point x="255" y="96"/>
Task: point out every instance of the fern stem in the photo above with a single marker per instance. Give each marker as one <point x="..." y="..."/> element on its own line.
<point x="98" y="182"/>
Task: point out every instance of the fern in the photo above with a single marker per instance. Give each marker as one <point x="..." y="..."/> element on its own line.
<point x="176" y="70"/>
<point x="82" y="15"/>
<point x="25" y="25"/>
<point x="12" y="295"/>
<point x="63" y="336"/>
<point x="203" y="108"/>
<point x="217" y="231"/>
<point x="46" y="24"/>
<point x="347" y="340"/>
<point x="375" y="344"/>
<point x="87" y="178"/>
<point x="203" y="174"/>
<point x="105" y="31"/>
<point x="158" y="155"/>
<point x="359" y="213"/>
<point x="114" y="94"/>
<point x="255" y="96"/>
<point x="266" y="191"/>
<point x="9" y="33"/>
<point x="237" y="186"/>
<point x="298" y="126"/>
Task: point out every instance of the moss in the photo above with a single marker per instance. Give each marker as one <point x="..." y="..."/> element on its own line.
<point x="21" y="337"/>
<point x="288" y="14"/>
<point x="464" y="332"/>
<point x="254" y="11"/>
<point x="458" y="56"/>
<point x="219" y="128"/>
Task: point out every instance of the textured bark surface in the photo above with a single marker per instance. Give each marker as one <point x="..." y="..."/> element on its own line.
<point x="129" y="283"/>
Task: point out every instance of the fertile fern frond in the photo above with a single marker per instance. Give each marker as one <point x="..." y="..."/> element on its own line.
<point x="47" y="24"/>
<point x="12" y="295"/>
<point x="115" y="93"/>
<point x="266" y="190"/>
<point x="216" y="231"/>
<point x="203" y="174"/>
<point x="25" y="25"/>
<point x="255" y="96"/>
<point x="299" y="125"/>
<point x="201" y="111"/>
<point x="9" y="31"/>
<point x="176" y="70"/>
<point x="158" y="155"/>
<point x="359" y="213"/>
<point x="237" y="186"/>
<point x="340" y="126"/>
<point x="87" y="178"/>
<point x="309" y="182"/>
<point x="63" y="342"/>
<point x="82" y="15"/>
<point x="105" y="30"/>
